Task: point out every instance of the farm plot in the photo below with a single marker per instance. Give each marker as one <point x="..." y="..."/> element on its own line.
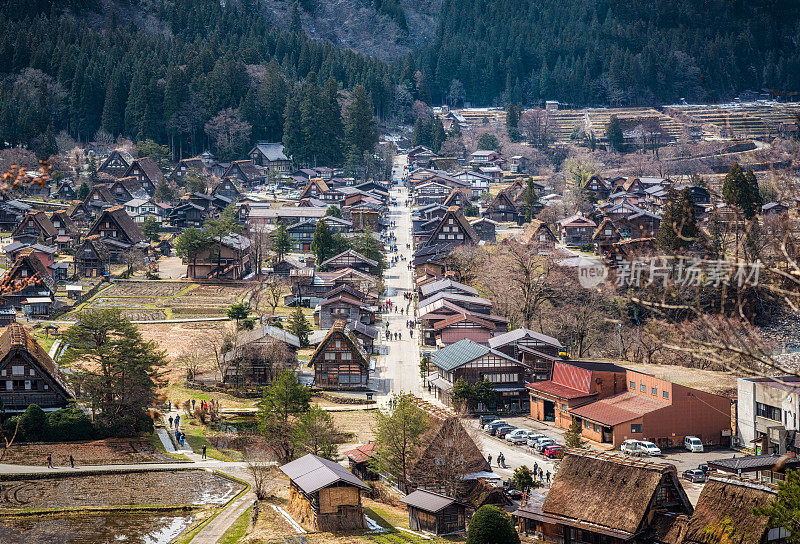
<point x="150" y="301"/>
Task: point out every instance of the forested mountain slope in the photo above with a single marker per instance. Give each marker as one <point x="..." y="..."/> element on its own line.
<point x="161" y="72"/>
<point x="612" y="51"/>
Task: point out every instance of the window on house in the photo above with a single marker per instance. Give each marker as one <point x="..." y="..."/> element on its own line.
<point x="654" y="391"/>
<point x="632" y="385"/>
<point x="642" y="388"/>
<point x="769" y="412"/>
<point x="665" y="394"/>
<point x="18" y="370"/>
<point x="636" y="428"/>
<point x="9" y="385"/>
<point x="596" y="428"/>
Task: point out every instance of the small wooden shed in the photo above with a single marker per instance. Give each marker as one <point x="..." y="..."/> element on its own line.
<point x="435" y="513"/>
<point x="323" y="495"/>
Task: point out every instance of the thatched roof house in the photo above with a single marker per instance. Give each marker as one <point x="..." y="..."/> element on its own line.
<point x="606" y="495"/>
<point x="448" y="460"/>
<point x="724" y="513"/>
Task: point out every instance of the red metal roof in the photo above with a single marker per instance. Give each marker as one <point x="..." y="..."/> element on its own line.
<point x="553" y="389"/>
<point x="362" y="453"/>
<point x="618" y="409"/>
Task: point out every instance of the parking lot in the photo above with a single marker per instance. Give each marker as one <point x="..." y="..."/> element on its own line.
<point x="517" y="455"/>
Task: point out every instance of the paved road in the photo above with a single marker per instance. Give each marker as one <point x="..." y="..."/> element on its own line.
<point x="399" y="369"/>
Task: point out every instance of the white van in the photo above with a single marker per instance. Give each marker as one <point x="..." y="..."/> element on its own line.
<point x="693" y="444"/>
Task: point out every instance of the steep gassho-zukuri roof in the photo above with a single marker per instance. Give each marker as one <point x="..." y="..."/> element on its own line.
<point x="724" y="512"/>
<point x="607" y="491"/>
<point x="16" y="338"/>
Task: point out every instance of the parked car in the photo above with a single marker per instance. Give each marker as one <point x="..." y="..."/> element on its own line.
<point x="485" y="420"/>
<point x="693" y="444"/>
<point x="543" y="443"/>
<point x="503" y="431"/>
<point x="494" y="425"/>
<point x="514" y="493"/>
<point x="518" y="436"/>
<point x="694" y="475"/>
<point x="631" y="447"/>
<point x="534" y="438"/>
<point x="649" y="448"/>
<point x="553" y="450"/>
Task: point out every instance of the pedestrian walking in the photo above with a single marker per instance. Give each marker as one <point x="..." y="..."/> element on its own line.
<point x="169" y="406"/>
<point x="535" y="469"/>
<point x="171" y="419"/>
<point x="490" y="459"/>
<point x="71" y="462"/>
<point x="499" y="458"/>
<point x="49" y="461"/>
<point x="548" y="477"/>
<point x="177" y="421"/>
<point x="192" y="404"/>
<point x="204" y="452"/>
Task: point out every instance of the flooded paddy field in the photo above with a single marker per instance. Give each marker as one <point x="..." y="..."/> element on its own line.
<point x="95" y="529"/>
<point x="195" y="487"/>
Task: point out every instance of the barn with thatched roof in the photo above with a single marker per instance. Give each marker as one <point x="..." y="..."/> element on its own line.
<point x="725" y="513"/>
<point x="605" y="498"/>
<point x="448" y="460"/>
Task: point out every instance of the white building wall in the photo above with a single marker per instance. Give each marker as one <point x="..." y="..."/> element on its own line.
<point x="746" y="411"/>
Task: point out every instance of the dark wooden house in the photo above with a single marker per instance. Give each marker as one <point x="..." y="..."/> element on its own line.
<point x="118" y="231"/>
<point x="475" y="362"/>
<point x="66" y="229"/>
<point x="115" y="164"/>
<point x="246" y="173"/>
<point x="453" y="229"/>
<point x="435" y="513"/>
<point x="486" y="229"/>
<point x="227" y="258"/>
<point x="340" y="361"/>
<point x="30" y="375"/>
<point x="188" y="166"/>
<point x="271" y="156"/>
<point x="359" y="459"/>
<point x="349" y="259"/>
<point x="126" y="189"/>
<point x="29" y="283"/>
<point x="147" y="173"/>
<point x="502" y="209"/>
<point x="92" y="258"/>
<point x="35" y="227"/>
<point x="323" y="495"/>
<point x="11" y="213"/>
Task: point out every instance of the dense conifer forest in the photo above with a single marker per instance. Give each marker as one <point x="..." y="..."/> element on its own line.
<point x="612" y="52"/>
<point x="81" y="66"/>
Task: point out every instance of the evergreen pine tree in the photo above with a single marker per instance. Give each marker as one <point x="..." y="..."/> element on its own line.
<point x="362" y="129"/>
<point x="83" y="190"/>
<point x="299" y="326"/>
<point x="614" y="133"/>
<point x="163" y="193"/>
<point x="293" y="138"/>
<point x="740" y="189"/>
<point x="331" y="124"/>
<point x="678" y="228"/>
<point x="322" y="242"/>
<point x="281" y="244"/>
<point x="296" y="24"/>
